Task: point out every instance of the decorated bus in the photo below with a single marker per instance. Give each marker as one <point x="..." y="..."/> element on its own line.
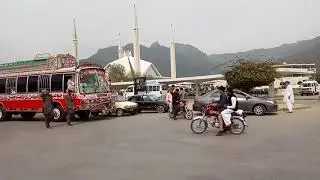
<point x="22" y="82"/>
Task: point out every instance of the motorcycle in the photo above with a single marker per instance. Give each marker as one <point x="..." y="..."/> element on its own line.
<point x="210" y="112"/>
<point x="184" y="110"/>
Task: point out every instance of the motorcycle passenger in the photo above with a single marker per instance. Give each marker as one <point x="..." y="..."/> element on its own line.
<point x="175" y="103"/>
<point x="222" y="105"/>
<point x="232" y="107"/>
<point x="182" y="94"/>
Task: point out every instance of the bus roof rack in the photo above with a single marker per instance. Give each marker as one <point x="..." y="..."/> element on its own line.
<point x="39" y="63"/>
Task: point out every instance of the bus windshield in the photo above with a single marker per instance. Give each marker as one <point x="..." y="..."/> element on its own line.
<point x="92" y="81"/>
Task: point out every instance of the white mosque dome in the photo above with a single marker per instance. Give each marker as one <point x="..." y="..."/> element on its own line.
<point x="146" y="68"/>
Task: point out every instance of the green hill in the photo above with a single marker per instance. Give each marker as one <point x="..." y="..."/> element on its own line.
<point x="191" y="61"/>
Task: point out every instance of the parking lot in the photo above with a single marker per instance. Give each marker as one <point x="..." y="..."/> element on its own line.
<point x="151" y="146"/>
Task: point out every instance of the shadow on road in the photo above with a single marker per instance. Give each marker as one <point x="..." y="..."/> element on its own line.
<point x="39" y="117"/>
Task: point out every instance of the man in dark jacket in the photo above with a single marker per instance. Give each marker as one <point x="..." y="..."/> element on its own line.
<point x="175" y="103"/>
<point x="70" y="110"/>
<point x="222" y="105"/>
<point x="223" y="101"/>
<point x="47" y="107"/>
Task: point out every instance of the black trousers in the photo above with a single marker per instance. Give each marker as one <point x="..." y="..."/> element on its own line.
<point x="47" y="119"/>
<point x="175" y="109"/>
<point x="70" y="116"/>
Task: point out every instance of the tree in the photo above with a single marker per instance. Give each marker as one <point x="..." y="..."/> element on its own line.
<point x="247" y="74"/>
<point x="117" y="73"/>
<point x="316" y="77"/>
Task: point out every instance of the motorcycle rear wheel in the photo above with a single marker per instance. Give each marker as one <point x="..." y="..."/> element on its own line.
<point x="198" y="126"/>
<point x="188" y="114"/>
<point x="237" y="126"/>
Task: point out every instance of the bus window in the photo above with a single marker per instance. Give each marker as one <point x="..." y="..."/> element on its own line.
<point x="56" y="82"/>
<point x="12" y="85"/>
<point x="158" y="88"/>
<point x="3" y="85"/>
<point x="33" y="83"/>
<point x="22" y="85"/>
<point x="154" y="88"/>
<point x="149" y="88"/>
<point x="44" y="82"/>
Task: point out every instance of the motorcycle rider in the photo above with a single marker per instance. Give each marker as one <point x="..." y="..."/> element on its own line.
<point x="222" y="105"/>
<point x="232" y="107"/>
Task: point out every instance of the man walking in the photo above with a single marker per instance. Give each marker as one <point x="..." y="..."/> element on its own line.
<point x="47" y="107"/>
<point x="70" y="110"/>
<point x="175" y="103"/>
<point x="288" y="97"/>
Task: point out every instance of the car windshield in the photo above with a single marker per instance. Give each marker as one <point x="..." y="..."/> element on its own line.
<point x="92" y="81"/>
<point x="117" y="98"/>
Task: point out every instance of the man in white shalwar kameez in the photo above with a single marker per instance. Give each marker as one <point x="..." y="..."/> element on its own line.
<point x="169" y="99"/>
<point x="288" y="97"/>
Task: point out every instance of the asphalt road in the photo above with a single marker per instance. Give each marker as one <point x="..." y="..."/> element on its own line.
<point x="150" y="146"/>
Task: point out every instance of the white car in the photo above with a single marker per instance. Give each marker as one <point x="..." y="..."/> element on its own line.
<point x="120" y="106"/>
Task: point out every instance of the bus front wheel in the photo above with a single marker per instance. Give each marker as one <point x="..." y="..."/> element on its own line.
<point x="58" y="114"/>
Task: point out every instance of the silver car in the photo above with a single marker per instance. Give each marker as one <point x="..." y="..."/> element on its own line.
<point x="247" y="102"/>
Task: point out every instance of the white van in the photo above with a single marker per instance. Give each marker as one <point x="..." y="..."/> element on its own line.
<point x="309" y="87"/>
<point x="158" y="90"/>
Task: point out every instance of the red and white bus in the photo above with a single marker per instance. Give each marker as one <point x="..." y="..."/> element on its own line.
<point x="21" y="83"/>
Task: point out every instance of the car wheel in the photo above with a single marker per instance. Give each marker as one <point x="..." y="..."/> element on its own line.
<point x="259" y="110"/>
<point x="120" y="112"/>
<point x="134" y="112"/>
<point x="160" y="109"/>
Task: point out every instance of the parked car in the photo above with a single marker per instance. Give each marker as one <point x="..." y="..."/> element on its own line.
<point x="247" y="102"/>
<point x="120" y="106"/>
<point x="309" y="87"/>
<point x="149" y="102"/>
